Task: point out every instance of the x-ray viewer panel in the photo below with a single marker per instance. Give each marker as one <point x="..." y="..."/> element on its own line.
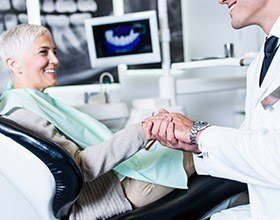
<point x="123" y="38"/>
<point x="129" y="39"/>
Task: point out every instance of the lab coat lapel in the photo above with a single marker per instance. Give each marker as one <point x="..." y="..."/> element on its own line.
<point x="271" y="80"/>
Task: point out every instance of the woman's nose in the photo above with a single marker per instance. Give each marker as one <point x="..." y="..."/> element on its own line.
<point x="53" y="59"/>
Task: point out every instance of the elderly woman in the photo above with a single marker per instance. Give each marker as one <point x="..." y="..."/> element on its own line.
<point x="29" y="53"/>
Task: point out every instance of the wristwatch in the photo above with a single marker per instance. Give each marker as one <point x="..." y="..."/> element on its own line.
<point x="196" y="127"/>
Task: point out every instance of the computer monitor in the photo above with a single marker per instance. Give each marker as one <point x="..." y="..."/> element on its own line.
<point x="129" y="39"/>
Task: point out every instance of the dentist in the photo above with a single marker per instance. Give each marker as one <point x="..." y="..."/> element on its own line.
<point x="250" y="154"/>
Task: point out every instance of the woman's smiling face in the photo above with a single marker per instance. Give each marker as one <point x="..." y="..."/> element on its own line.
<point x="39" y="64"/>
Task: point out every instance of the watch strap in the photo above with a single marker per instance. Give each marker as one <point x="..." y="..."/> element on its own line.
<point x="196" y="127"/>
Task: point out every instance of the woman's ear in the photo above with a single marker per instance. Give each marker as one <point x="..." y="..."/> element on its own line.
<point x="13" y="65"/>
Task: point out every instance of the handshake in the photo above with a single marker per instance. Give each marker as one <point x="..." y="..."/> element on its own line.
<point x="172" y="130"/>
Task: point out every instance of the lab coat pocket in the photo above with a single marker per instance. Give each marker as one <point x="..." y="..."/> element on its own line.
<point x="271" y="117"/>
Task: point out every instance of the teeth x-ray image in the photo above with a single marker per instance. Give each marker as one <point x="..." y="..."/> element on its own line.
<point x="122" y="38"/>
<point x="65" y="19"/>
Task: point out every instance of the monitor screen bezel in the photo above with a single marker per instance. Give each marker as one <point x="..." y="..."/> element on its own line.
<point x="132" y="59"/>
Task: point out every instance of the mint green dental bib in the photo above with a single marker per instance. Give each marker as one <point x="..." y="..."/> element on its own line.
<point x="158" y="165"/>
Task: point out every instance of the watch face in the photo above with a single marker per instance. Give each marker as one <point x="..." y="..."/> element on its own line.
<point x="200" y="125"/>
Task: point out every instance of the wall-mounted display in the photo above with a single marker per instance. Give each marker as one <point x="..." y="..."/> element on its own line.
<point x="128" y="39"/>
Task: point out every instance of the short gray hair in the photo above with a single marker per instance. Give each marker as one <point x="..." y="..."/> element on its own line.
<point x="16" y="41"/>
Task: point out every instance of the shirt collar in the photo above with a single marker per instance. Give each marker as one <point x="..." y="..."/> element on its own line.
<point x="275" y="31"/>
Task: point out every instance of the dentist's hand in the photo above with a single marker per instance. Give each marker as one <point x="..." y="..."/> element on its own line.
<point x="173" y="130"/>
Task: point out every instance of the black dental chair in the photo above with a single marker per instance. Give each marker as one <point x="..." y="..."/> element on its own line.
<point x="204" y="193"/>
<point x="40" y="180"/>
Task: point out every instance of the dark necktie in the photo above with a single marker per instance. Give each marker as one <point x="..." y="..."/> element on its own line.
<point x="270" y="49"/>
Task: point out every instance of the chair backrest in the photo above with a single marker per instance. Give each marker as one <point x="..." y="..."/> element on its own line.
<point x="38" y="178"/>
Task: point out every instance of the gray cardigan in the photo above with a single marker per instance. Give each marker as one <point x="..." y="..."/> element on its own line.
<point x="102" y="195"/>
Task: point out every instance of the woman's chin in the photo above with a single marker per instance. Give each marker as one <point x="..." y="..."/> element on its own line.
<point x="51" y="83"/>
<point x="52" y="79"/>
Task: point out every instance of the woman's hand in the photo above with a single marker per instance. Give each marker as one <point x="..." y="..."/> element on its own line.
<point x="171" y="130"/>
<point x="147" y="127"/>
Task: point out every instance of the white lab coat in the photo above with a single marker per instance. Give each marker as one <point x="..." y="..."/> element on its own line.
<point x="250" y="154"/>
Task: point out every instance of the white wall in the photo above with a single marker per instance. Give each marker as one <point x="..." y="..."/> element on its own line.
<point x="208" y="24"/>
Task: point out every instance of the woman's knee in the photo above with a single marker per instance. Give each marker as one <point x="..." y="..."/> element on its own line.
<point x="141" y="193"/>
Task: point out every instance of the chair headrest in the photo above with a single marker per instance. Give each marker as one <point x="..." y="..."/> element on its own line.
<point x="67" y="174"/>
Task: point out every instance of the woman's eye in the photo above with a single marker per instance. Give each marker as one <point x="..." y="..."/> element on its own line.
<point x="43" y="52"/>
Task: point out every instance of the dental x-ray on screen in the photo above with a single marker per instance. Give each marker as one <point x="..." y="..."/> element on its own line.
<point x="130" y="39"/>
